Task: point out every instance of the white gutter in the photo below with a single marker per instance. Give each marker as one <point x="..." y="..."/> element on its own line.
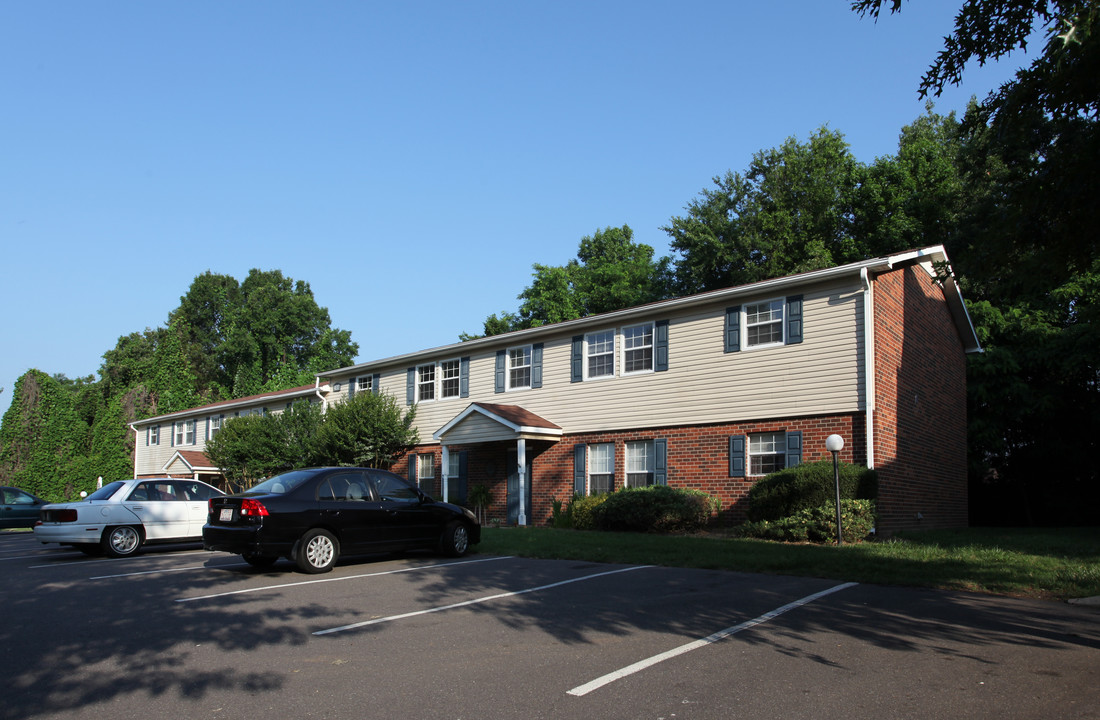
<point x="868" y="366"/>
<point x="317" y="392"/>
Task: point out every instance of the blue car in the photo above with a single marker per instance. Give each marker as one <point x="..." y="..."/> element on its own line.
<point x="19" y="508"/>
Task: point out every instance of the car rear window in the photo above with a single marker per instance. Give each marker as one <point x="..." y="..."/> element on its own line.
<point x="106" y="491"/>
<point x="281" y="484"/>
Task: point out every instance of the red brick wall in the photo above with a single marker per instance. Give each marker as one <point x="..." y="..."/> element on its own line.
<point x="920" y="405"/>
<point x="698" y="457"/>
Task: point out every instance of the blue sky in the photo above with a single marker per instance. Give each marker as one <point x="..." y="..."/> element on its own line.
<point x="411" y="161"/>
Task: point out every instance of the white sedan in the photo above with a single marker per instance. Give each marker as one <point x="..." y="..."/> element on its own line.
<point x="121" y="516"/>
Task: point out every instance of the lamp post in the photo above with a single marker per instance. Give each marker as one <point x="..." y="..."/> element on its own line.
<point x="834" y="444"/>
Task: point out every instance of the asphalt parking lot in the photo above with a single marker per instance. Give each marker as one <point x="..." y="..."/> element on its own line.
<point x="182" y="633"/>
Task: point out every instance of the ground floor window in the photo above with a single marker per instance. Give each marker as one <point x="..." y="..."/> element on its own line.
<point x="601" y="468"/>
<point x="425" y="470"/>
<point x="767" y="452"/>
<point x="640" y="463"/>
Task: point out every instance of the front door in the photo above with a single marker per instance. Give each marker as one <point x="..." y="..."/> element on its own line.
<point x="513" y="489"/>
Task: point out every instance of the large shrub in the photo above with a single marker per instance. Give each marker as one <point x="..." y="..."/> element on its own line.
<point x="656" y="509"/>
<point x="582" y="510"/>
<point x="817" y="524"/>
<point x="808" y="485"/>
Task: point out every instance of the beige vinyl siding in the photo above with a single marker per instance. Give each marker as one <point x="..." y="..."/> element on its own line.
<point x="821" y="375"/>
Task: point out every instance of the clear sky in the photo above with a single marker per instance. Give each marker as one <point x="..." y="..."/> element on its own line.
<point x="409" y="160"/>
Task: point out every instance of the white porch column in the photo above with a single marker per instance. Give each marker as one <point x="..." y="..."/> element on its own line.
<point x="521" y="460"/>
<point x="446" y="477"/>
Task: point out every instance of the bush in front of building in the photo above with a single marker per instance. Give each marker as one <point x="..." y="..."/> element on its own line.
<point x="817" y="524"/>
<point x="581" y="511"/>
<point x="809" y="485"/>
<point x="654" y="509"/>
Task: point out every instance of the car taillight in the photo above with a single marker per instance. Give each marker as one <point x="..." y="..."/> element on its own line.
<point x="64" y="515"/>
<point x="252" y="508"/>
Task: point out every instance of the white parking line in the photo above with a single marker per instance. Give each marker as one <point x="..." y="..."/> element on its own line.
<point x="339" y="579"/>
<point x="476" y="601"/>
<point x="166" y="570"/>
<point x="649" y="662"/>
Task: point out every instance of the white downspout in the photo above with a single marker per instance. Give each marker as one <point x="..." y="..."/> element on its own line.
<point x="869" y="365"/>
<point x="521" y="460"/>
<point x="446" y="475"/>
<point x="317" y="392"/>
<point x="135" y="449"/>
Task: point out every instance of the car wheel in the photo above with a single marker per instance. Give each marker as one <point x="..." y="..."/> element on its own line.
<point x="456" y="539"/>
<point x="260" y="561"/>
<point x="317" y="551"/>
<point x="121" y="541"/>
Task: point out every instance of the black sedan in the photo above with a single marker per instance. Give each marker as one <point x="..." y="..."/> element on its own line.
<point x="313" y="516"/>
<point x="18" y="508"/>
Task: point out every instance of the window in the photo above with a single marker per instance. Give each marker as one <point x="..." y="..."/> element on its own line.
<point x="425" y="469"/>
<point x="185" y="432"/>
<point x="364" y="384"/>
<point x="519" y="367"/>
<point x="451" y="372"/>
<point x="601" y="468"/>
<point x="767" y="452"/>
<point x="154" y="435"/>
<point x="391" y="489"/>
<point x="425" y="383"/>
<point x="640" y="461"/>
<point x="764" y="323"/>
<point x="600" y="354"/>
<point x="638" y="348"/>
<point x="215" y="425"/>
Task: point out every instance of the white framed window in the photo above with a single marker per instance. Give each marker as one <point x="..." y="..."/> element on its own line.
<point x="767" y="452"/>
<point x="451" y="378"/>
<point x="601" y="468"/>
<point x="185" y="432"/>
<point x="640" y="463"/>
<point x="425" y="469"/>
<point x="154" y="435"/>
<point x="425" y="383"/>
<point x="519" y="367"/>
<point x="599" y="351"/>
<point x="638" y="348"/>
<point x="764" y="323"/>
<point x="364" y="384"/>
<point x="215" y="425"/>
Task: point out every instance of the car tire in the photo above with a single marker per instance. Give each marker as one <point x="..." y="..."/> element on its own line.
<point x="455" y="541"/>
<point x="121" y="541"/>
<point x="317" y="551"/>
<point x="260" y="561"/>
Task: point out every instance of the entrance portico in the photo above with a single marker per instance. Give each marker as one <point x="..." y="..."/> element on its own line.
<point x="482" y="423"/>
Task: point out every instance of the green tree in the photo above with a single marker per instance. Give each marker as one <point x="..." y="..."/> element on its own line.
<point x="367" y="430"/>
<point x="40" y="437"/>
<point x="610" y="272"/>
<point x="173" y="383"/>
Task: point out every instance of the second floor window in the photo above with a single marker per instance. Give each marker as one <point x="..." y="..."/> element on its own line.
<point x="764" y="323"/>
<point x="451" y="370"/>
<point x="185" y="432"/>
<point x="364" y="384"/>
<point x="154" y="435"/>
<point x="519" y="367"/>
<point x="600" y="352"/>
<point x="425" y="383"/>
<point x="638" y="348"/>
<point x="215" y="425"/>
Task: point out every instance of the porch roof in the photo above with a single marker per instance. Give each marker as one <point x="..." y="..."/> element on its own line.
<point x="193" y="460"/>
<point x="488" y="422"/>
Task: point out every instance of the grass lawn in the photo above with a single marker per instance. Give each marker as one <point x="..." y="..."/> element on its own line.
<point x="1050" y="563"/>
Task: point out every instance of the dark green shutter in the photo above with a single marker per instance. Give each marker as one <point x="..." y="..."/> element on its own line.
<point x="351" y="388"/>
<point x="376" y="383"/>
<point x="660" y="346"/>
<point x="733" y="329"/>
<point x="580" y="468"/>
<point x="576" y="359"/>
<point x="464" y="377"/>
<point x="794" y="448"/>
<point x="794" y="319"/>
<point x="501" y="356"/>
<point x="737" y="456"/>
<point x="660" y="462"/>
<point x="536" y="365"/>
<point x="410" y="386"/>
<point x="412" y="469"/>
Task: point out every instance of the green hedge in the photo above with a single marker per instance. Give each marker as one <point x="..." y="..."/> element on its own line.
<point x="656" y="509"/>
<point x="817" y="524"/>
<point x="806" y="486"/>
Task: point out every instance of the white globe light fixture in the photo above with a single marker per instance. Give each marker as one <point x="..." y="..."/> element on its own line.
<point x="834" y="444"/>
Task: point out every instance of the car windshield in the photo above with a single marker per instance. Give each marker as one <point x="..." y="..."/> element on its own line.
<point x="106" y="491"/>
<point x="281" y="484"/>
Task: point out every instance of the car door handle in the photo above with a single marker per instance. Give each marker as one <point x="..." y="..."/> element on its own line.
<point x="136" y="507"/>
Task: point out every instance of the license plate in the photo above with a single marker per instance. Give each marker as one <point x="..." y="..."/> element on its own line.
<point x="226" y="515"/>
